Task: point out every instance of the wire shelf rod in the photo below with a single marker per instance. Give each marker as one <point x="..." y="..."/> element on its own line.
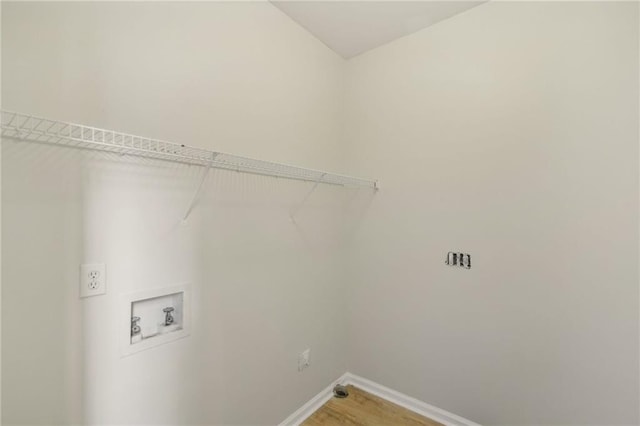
<point x="36" y="129"/>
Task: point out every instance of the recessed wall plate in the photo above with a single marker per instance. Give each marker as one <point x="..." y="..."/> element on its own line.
<point x="154" y="317"/>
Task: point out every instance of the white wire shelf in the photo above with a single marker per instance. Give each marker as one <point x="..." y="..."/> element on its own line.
<point x="36" y="129"/>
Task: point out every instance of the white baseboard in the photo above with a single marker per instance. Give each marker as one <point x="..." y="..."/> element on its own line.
<point x="405" y="401"/>
<point x="312" y="405"/>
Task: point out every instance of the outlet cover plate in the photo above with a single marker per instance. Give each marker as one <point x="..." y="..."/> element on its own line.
<point x="303" y="359"/>
<point x="93" y="279"/>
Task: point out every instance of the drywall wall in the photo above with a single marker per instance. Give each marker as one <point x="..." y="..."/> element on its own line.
<point x="0" y="227"/>
<point x="509" y="132"/>
<point x="527" y="159"/>
<point x="235" y="77"/>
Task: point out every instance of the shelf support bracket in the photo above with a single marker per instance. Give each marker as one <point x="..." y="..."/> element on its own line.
<point x="196" y="196"/>
<point x="295" y="209"/>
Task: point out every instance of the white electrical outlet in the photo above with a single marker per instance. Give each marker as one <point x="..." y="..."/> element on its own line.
<point x="304" y="360"/>
<point x="93" y="279"/>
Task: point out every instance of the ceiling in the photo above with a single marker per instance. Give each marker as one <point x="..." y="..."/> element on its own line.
<point x="353" y="27"/>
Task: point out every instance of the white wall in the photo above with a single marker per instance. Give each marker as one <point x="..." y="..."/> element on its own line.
<point x="236" y="77"/>
<point x="0" y="229"/>
<point x="509" y="132"/>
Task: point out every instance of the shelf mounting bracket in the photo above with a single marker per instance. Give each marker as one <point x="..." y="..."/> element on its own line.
<point x="196" y="196"/>
<point x="295" y="209"/>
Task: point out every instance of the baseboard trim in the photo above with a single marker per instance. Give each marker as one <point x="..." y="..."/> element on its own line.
<point x="312" y="405"/>
<point x="405" y="401"/>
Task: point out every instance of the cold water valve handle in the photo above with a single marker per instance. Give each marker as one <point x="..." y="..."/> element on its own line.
<point x="168" y="318"/>
<point x="135" y="328"/>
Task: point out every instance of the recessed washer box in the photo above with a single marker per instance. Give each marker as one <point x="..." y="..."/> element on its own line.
<point x="154" y="317"/>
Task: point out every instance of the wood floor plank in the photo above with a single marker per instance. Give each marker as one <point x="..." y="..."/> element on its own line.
<point x="361" y="408"/>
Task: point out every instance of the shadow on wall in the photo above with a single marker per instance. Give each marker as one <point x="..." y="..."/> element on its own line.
<point x="42" y="243"/>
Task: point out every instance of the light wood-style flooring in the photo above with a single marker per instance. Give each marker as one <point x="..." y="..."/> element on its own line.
<point x="361" y="408"/>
